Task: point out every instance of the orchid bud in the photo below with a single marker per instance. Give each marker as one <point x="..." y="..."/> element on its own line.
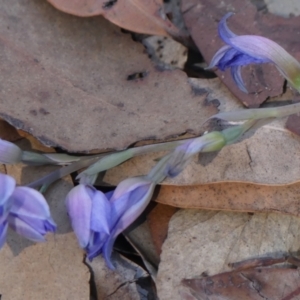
<point x="29" y="214"/>
<point x="128" y="201"/>
<point x="9" y="152"/>
<point x="25" y="210"/>
<point x="213" y="141"/>
<point x="90" y="214"/>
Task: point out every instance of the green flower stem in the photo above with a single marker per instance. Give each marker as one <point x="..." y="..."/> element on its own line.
<point x="115" y="159"/>
<point x="35" y="158"/>
<point x="62" y="172"/>
<point x="259" y="113"/>
<point x="173" y="163"/>
<point x="158" y="174"/>
<point x="232" y="134"/>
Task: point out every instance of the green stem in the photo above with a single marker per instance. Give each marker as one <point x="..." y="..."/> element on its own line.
<point x="259" y="113"/>
<point x="62" y="172"/>
<point x="115" y="159"/>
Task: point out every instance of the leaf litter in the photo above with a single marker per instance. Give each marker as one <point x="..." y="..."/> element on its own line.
<point x="54" y="270"/>
<point x="203" y="242"/>
<point x="202" y="90"/>
<point x="265" y="278"/>
<point x="143" y="16"/>
<point x="91" y="65"/>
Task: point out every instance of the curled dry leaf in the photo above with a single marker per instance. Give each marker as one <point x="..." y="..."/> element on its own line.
<point x="143" y="16"/>
<point x="267" y="278"/>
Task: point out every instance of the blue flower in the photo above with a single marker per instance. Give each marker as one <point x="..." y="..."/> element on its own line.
<point x="29" y="214"/>
<point x="97" y="219"/>
<point x="25" y="210"/>
<point x="7" y="186"/>
<point x="128" y="201"/>
<point x="90" y="213"/>
<point x="251" y="49"/>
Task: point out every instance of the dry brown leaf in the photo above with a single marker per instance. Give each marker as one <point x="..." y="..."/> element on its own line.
<point x="206" y="241"/>
<point x="158" y="220"/>
<point x="8" y="132"/>
<point x="81" y="84"/>
<point x="234" y="196"/>
<point x="144" y="16"/>
<point x="262" y="81"/>
<point x="140" y="239"/>
<point x="119" y="283"/>
<point x="50" y="271"/>
<point x="274" y="281"/>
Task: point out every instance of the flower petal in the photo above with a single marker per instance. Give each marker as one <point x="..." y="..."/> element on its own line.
<point x="126" y="186"/>
<point x="224" y="32"/>
<point x="3" y="231"/>
<point x="129" y="206"/>
<point x="128" y="201"/>
<point x="100" y="214"/>
<point x="237" y="77"/>
<point x="28" y="202"/>
<point x="218" y="56"/>
<point x="96" y="243"/>
<point x="25" y="229"/>
<point x="9" y="153"/>
<point x="107" y="250"/>
<point x="29" y="214"/>
<point x="79" y="206"/>
<point x="7" y="186"/>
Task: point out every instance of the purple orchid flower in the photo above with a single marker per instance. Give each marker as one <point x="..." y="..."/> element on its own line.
<point x="128" y="201"/>
<point x="25" y="210"/>
<point x="90" y="213"/>
<point x="251" y="49"/>
<point x="97" y="219"/>
<point x="29" y="214"/>
<point x="7" y="186"/>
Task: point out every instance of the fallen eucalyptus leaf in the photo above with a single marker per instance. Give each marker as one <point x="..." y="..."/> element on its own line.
<point x="94" y="88"/>
<point x="234" y="196"/>
<point x="158" y="221"/>
<point x="120" y="283"/>
<point x="143" y="16"/>
<point x="264" y="278"/>
<point x="206" y="241"/>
